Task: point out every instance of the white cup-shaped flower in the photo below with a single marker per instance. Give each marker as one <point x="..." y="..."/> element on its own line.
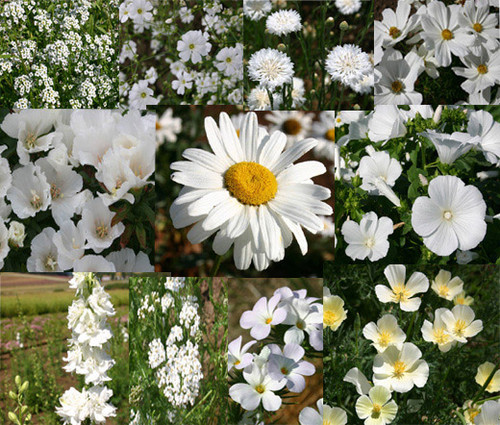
<point x="452" y="216"/>
<point x="368" y="239"/>
<point x="385" y="333"/>
<point x="451" y="146"/>
<point x="127" y="261"/>
<point x="263" y="315"/>
<point x="400" y="370"/>
<point x="483" y="373"/>
<point x="482" y="124"/>
<point x="4" y="243"/>
<point x="44" y="255"/>
<point x="401" y="292"/>
<point x="437" y="332"/>
<point x="446" y="286"/>
<point x="259" y="388"/>
<point x="377" y="408"/>
<point x="96" y="226"/>
<point x="460" y="323"/>
<point x="238" y="357"/>
<point x="333" y="311"/>
<point x="463" y="298"/>
<point x="70" y="242"/>
<point x="378" y="166"/>
<point x="5" y="174"/>
<point x="490" y="413"/>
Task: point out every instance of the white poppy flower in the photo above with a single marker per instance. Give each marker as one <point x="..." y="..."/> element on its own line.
<point x="460" y="323"/>
<point x="400" y="370"/>
<point x="358" y="379"/>
<point x="377" y="408"/>
<point x="490" y="413"/>
<point x="446" y="286"/>
<point x="402" y="292"/>
<point x="483" y="373"/>
<point x="96" y="226"/>
<point x="333" y="311"/>
<point x="44" y="253"/>
<point x="249" y="193"/>
<point x="451" y="146"/>
<point x="325" y="415"/>
<point x="127" y="261"/>
<point x="30" y="192"/>
<point x="437" y="332"/>
<point x="368" y="239"/>
<point x="453" y="216"/>
<point x="385" y="333"/>
<point x="70" y="244"/>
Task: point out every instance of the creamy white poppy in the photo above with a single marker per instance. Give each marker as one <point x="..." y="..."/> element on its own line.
<point x="358" y="379"/>
<point x="333" y="311"/>
<point x="460" y="323"/>
<point x="437" y="332"/>
<point x="490" y="413"/>
<point x="377" y="408"/>
<point x="446" y="286"/>
<point x="483" y="373"/>
<point x="325" y="415"/>
<point x="385" y="333"/>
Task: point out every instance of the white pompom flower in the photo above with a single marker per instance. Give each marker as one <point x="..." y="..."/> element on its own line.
<point x="284" y="22"/>
<point x="270" y="68"/>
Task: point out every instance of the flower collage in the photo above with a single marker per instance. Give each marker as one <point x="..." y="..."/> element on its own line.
<point x="182" y="180"/>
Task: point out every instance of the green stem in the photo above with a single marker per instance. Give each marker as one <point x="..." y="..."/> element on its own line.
<point x="483" y="388"/>
<point x="216" y="266"/>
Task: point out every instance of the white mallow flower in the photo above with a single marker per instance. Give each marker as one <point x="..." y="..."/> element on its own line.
<point x="44" y="254"/>
<point x="5" y="174"/>
<point x="482" y="124"/>
<point x="460" y="323"/>
<point x="452" y="216"/>
<point x="368" y="239"/>
<point x="446" y="286"/>
<point x="395" y="25"/>
<point x="127" y="261"/>
<point x="4" y="243"/>
<point x="376" y="407"/>
<point x="70" y="243"/>
<point x="96" y="226"/>
<point x="237" y="356"/>
<point x="451" y="146"/>
<point x="385" y="123"/>
<point x="400" y="369"/>
<point x="437" y="332"/>
<point x="249" y="192"/>
<point x="289" y="365"/>
<point x="284" y="22"/>
<point x="74" y="408"/>
<point x="304" y="317"/>
<point x="348" y="64"/>
<point x="443" y="33"/>
<point x="193" y="45"/>
<point x="270" y="68"/>
<point x="30" y="191"/>
<point x="31" y="128"/>
<point x="481" y="71"/>
<point x="99" y="408"/>
<point x="263" y="315"/>
<point x="16" y="234"/>
<point x="402" y="292"/>
<point x="490" y="413"/>
<point x="385" y="333"/>
<point x="259" y="388"/>
<point x="325" y="415"/>
<point x="93" y="263"/>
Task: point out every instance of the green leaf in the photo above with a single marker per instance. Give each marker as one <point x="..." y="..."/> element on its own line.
<point x="126" y="235"/>
<point x="140" y="232"/>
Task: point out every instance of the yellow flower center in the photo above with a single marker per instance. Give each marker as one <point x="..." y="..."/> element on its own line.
<point x="30" y="141"/>
<point x="191" y="46"/>
<point x="237" y="362"/>
<point x="477" y="27"/>
<point x="447" y="215"/>
<point x="292" y="127"/>
<point x="260" y="389"/>
<point x="460" y="326"/>
<point x="101" y="230"/>
<point x="251" y="183"/>
<point x="394" y="32"/>
<point x="327" y="422"/>
<point x="36" y="201"/>
<point x="399" y="369"/>
<point x="370" y="242"/>
<point x="269" y="320"/>
<point x="384" y="338"/>
<point x="400" y="293"/>
<point x="443" y="291"/>
<point x="55" y="192"/>
<point x="50" y="263"/>
<point x="397" y="86"/>
<point x="330" y="134"/>
<point x="441" y="336"/>
<point x="447" y="34"/>
<point x="377" y="408"/>
<point x="482" y="69"/>
<point x="139" y="11"/>
<point x="228" y="60"/>
<point x="460" y="300"/>
<point x="473" y="413"/>
<point x="329" y="317"/>
<point x="301" y="325"/>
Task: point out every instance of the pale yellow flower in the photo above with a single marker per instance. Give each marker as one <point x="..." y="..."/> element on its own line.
<point x="463" y="299"/>
<point x="446" y="286"/>
<point x="333" y="311"/>
<point x="483" y="372"/>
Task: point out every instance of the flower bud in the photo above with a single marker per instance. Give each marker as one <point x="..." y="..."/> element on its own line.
<point x="330" y="21"/>
<point x="344" y="26"/>
<point x="281" y="47"/>
<point x="24" y="387"/>
<point x="13" y="418"/>
<point x="16" y="234"/>
<point x="17" y="380"/>
<point x="12" y="395"/>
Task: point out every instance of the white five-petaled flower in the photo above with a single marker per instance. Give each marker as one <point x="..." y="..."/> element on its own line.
<point x="193" y="45"/>
<point x="325" y="415"/>
<point x="402" y="292"/>
<point x="453" y="216"/>
<point x="395" y="25"/>
<point x="446" y="286"/>
<point x="263" y="315"/>
<point x="237" y="356"/>
<point x="385" y="333"/>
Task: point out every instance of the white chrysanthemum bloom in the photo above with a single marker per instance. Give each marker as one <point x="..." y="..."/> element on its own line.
<point x="295" y="124"/>
<point x="446" y="286"/>
<point x="400" y="370"/>
<point x="249" y="193"/>
<point x="483" y="373"/>
<point x="258" y="100"/>
<point x="451" y="146"/>
<point x="348" y="7"/>
<point x="437" y="332"/>
<point x="348" y="64"/>
<point x="284" y="22"/>
<point x="270" y="68"/>
<point x="482" y="124"/>
<point x="30" y="192"/>
<point x="333" y="311"/>
<point x="368" y="239"/>
<point x="481" y="71"/>
<point x="127" y="261"/>
<point x="402" y="292"/>
<point x="453" y="216"/>
<point x="460" y="323"/>
<point x="385" y="333"/>
<point x="194" y="45"/>
<point x="97" y="227"/>
<point x="395" y="25"/>
<point x="463" y="299"/>
<point x="483" y="25"/>
<point x="44" y="253"/>
<point x="376" y="407"/>
<point x="443" y="32"/>
<point x="256" y="9"/>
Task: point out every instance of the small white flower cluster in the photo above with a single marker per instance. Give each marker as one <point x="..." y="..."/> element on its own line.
<point x="57" y="152"/>
<point x="438" y="32"/>
<point x="55" y="35"/>
<point x="277" y="364"/>
<point x="177" y="360"/>
<point x="196" y="76"/>
<point x="88" y="353"/>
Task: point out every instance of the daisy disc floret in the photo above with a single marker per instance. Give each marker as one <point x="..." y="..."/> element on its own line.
<point x="270" y="68"/>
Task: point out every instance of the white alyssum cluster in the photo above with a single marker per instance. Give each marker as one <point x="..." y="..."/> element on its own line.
<point x="88" y="353"/>
<point x="438" y="33"/>
<point x="52" y="148"/>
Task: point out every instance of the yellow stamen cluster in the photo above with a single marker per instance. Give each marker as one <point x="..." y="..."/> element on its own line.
<point x="260" y="389"/>
<point x="477" y="27"/>
<point x="482" y="69"/>
<point x="376" y="410"/>
<point x="30" y="141"/>
<point x="443" y="291"/>
<point x="400" y="293"/>
<point x="441" y="336"/>
<point x="101" y="230"/>
<point x="397" y="86"/>
<point x="446" y="34"/>
<point x="269" y="320"/>
<point x="460" y="326"/>
<point x="399" y="369"/>
<point x="329" y="318"/>
<point x="394" y="32"/>
<point x="384" y="338"/>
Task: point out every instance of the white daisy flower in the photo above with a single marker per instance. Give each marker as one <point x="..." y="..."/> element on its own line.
<point x="324" y="132"/>
<point x="348" y="64"/>
<point x="295" y="124"/>
<point x="284" y="22"/>
<point x="271" y="68"/>
<point x="249" y="192"/>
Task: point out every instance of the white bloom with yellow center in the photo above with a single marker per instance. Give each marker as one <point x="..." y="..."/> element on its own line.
<point x="334" y="415"/>
<point x="446" y="286"/>
<point x="483" y="373"/>
<point x="461" y="324"/>
<point x="400" y="370"/>
<point x="400" y="291"/>
<point x="333" y="311"/>
<point x="490" y="414"/>
<point x="249" y="192"/>
<point x="377" y="408"/>
<point x="295" y="124"/>
<point x="385" y="333"/>
<point x="463" y="299"/>
<point x="437" y="332"/>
